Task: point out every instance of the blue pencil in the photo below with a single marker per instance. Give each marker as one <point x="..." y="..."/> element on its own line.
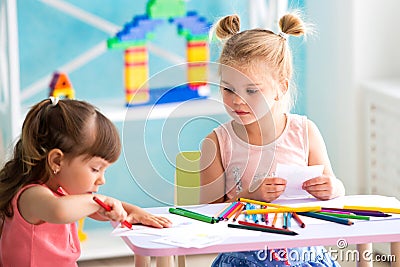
<point x="284" y="220"/>
<point x="326" y="217"/>
<point x="221" y="216"/>
<point x="288" y="220"/>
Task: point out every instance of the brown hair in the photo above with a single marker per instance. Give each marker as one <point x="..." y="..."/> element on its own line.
<point x="75" y="127"/>
<point x="259" y="45"/>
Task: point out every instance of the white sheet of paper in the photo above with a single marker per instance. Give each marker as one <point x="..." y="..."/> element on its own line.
<point x="295" y="177"/>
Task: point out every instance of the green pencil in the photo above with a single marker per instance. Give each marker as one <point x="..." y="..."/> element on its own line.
<point x="192" y="215"/>
<point x="348" y="216"/>
<point x="179" y="208"/>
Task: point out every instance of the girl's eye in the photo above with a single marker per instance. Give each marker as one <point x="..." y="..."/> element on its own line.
<point x="226" y="89"/>
<point x="95" y="170"/>
<point x="252" y="91"/>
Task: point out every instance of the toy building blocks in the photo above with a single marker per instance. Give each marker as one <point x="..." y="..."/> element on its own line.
<point x="133" y="39"/>
<point x="60" y="86"/>
<point x="166" y="8"/>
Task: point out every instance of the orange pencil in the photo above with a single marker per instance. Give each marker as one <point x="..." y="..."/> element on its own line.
<point x="234" y="211"/>
<point x="239" y="211"/>
<point x="230" y="210"/>
<point x="274" y="220"/>
<point x="221" y="211"/>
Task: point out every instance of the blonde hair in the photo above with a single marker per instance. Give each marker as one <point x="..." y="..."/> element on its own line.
<point x="252" y="46"/>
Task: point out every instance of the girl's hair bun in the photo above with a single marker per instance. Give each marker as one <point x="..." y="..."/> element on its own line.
<point x="227" y="26"/>
<point x="292" y="24"/>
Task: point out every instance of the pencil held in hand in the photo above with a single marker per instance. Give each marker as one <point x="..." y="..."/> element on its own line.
<point x="108" y="208"/>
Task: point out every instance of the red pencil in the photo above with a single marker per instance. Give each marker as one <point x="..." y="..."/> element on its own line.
<point x="298" y="220"/>
<point x="108" y="208"/>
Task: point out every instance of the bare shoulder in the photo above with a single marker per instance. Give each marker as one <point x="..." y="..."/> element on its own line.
<point x="212" y="136"/>
<point x="35" y="196"/>
<point x="314" y="133"/>
<point x="35" y="191"/>
<point x="312" y="126"/>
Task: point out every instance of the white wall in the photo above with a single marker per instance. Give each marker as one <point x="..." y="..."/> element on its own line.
<point x="357" y="40"/>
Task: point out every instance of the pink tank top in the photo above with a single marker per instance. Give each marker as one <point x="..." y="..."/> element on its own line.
<point x="246" y="165"/>
<point x="23" y="244"/>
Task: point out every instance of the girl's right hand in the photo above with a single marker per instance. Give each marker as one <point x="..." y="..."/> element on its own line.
<point x="117" y="212"/>
<point x="270" y="189"/>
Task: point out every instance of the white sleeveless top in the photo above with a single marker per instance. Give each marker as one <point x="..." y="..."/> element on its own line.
<point x="246" y="165"/>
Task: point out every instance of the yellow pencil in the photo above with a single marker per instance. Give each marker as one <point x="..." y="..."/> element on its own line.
<point x="368" y="208"/>
<point x="261" y="203"/>
<point x="280" y="210"/>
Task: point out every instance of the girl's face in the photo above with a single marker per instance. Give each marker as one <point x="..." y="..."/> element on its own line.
<point x="80" y="175"/>
<point x="248" y="96"/>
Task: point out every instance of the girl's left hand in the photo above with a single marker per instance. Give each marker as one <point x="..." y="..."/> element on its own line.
<point x="322" y="187"/>
<point x="145" y="218"/>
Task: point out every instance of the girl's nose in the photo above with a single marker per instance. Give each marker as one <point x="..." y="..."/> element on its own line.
<point x="101" y="180"/>
<point x="237" y="99"/>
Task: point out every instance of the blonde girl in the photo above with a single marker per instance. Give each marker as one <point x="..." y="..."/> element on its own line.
<point x="239" y="158"/>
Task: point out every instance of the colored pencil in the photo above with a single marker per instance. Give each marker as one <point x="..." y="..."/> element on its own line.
<point x="369" y="208"/>
<point x="326" y="217"/>
<point x="288" y="220"/>
<point x="262" y="229"/>
<point x="196" y="213"/>
<point x="246" y="216"/>
<point x="281" y="210"/>
<point x="221" y="216"/>
<point x="335" y="211"/>
<point x="252" y="201"/>
<point x="348" y="216"/>
<point x="263" y="226"/>
<point x="284" y="225"/>
<point x="360" y="212"/>
<point x="298" y="220"/>
<point x="108" y="208"/>
<point x="218" y="214"/>
<point x="275" y="219"/>
<point x="254" y="216"/>
<point x="238" y="212"/>
<point x="232" y="208"/>
<point x="238" y="207"/>
<point x="192" y="215"/>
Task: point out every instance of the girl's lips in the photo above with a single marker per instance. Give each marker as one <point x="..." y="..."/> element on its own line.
<point x="240" y="112"/>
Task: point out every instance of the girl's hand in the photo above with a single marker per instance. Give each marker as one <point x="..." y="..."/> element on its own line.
<point x="323" y="187"/>
<point x="138" y="215"/>
<point x="117" y="212"/>
<point x="271" y="189"/>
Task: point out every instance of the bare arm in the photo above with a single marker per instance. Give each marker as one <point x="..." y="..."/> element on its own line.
<point x="138" y="215"/>
<point x="212" y="177"/>
<point x="37" y="204"/>
<point x="326" y="186"/>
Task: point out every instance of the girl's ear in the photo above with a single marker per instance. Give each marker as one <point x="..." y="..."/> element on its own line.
<point x="283" y="88"/>
<point x="54" y="159"/>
